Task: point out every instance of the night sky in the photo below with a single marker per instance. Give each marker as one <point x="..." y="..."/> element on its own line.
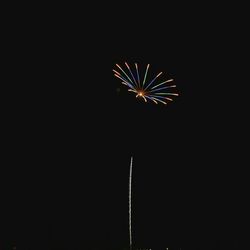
<point x="74" y="126"/>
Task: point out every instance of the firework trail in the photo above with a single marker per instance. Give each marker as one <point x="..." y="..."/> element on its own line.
<point x="129" y="203"/>
<point x="145" y="89"/>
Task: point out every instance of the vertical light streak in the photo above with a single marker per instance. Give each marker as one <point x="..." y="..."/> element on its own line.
<point x="129" y="203"/>
<point x="145" y="76"/>
<point x="138" y="77"/>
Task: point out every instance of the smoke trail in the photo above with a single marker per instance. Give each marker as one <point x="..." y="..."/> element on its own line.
<point x="129" y="203"/>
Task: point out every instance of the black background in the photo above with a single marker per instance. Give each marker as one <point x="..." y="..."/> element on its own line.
<point x="72" y="128"/>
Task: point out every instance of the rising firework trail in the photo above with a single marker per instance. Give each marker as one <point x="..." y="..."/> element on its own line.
<point x="129" y="203"/>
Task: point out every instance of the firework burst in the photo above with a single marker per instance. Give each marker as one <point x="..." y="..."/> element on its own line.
<point x="144" y="88"/>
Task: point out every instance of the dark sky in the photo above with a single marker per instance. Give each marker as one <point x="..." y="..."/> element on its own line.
<point x="74" y="128"/>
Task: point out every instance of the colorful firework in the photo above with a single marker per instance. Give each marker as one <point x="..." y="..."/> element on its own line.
<point x="147" y="90"/>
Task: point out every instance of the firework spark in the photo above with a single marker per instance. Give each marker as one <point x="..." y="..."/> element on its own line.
<point x="143" y="88"/>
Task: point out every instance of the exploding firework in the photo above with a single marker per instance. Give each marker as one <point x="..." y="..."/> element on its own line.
<point x="147" y="90"/>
